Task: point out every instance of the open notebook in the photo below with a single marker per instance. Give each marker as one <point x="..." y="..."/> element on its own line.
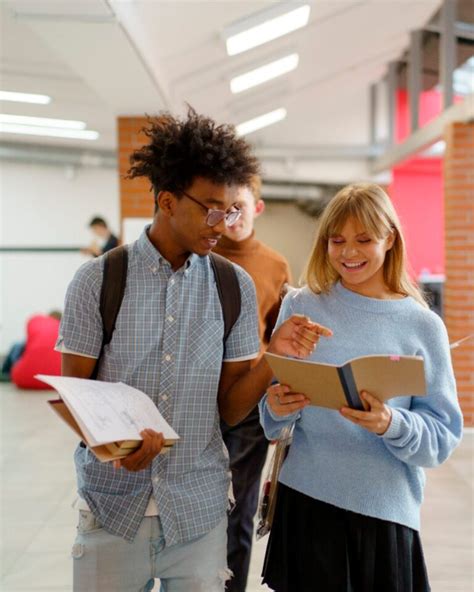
<point x="107" y="416"/>
<point x="331" y="386"/>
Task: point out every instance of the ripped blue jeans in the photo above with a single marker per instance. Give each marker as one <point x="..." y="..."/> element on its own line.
<point x="104" y="562"/>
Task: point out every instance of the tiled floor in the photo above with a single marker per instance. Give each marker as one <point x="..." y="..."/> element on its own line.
<point x="37" y="522"/>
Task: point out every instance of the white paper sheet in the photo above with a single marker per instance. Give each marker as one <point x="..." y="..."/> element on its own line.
<point x="109" y="411"/>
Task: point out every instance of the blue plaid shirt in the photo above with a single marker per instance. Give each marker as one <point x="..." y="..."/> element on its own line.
<point x="168" y="342"/>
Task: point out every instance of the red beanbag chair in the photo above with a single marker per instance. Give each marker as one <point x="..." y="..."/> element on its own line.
<point x="39" y="356"/>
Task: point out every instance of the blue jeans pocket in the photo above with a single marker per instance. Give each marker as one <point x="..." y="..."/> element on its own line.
<point x="87" y="523"/>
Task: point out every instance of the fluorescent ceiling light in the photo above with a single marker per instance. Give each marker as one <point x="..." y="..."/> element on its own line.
<point x="18" y="97"/>
<point x="264" y="73"/>
<point x="265" y="26"/>
<point x="252" y="125"/>
<point x="54" y="132"/>
<point x="42" y="121"/>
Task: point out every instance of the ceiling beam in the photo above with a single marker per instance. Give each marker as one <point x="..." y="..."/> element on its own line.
<point x="414" y="77"/>
<point x="317" y="152"/>
<point x="58" y="156"/>
<point x="80" y="157"/>
<point x="392" y="84"/>
<point x="448" y="51"/>
<point x="373" y="110"/>
<point x="425" y="136"/>
<point x="462" y="30"/>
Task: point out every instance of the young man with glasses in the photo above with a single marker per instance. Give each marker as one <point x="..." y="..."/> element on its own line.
<point x="246" y="442"/>
<point x="164" y="516"/>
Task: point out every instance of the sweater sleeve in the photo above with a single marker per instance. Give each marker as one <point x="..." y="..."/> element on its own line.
<point x="427" y="433"/>
<point x="273" y="424"/>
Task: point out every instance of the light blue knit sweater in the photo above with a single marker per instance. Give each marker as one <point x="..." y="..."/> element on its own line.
<point x="337" y="462"/>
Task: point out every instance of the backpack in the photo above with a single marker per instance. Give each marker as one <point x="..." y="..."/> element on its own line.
<point x="115" y="279"/>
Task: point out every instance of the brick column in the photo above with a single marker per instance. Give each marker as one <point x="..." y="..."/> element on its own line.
<point x="136" y="199"/>
<point x="459" y="245"/>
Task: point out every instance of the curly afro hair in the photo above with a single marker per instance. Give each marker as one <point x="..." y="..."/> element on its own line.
<point x="180" y="150"/>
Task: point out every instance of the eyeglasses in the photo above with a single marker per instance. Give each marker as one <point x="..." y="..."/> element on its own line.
<point x="214" y="217"/>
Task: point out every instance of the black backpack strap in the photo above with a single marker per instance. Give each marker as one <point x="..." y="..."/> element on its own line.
<point x="114" y="279"/>
<point x="228" y="288"/>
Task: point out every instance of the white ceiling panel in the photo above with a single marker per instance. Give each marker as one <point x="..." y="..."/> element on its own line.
<point x="345" y="46"/>
<point x="103" y="58"/>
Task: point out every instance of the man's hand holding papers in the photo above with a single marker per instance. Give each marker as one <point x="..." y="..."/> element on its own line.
<point x="142" y="457"/>
<point x="115" y="420"/>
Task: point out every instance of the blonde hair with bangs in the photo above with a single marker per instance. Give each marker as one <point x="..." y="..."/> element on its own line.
<point x="371" y="207"/>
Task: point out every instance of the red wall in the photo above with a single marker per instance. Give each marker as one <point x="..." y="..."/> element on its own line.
<point x="417" y="193"/>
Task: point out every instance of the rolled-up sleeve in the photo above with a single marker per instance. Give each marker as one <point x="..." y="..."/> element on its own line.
<point x="243" y="342"/>
<point x="273" y="424"/>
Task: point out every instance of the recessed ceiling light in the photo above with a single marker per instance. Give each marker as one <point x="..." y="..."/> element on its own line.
<point x="264" y="26"/>
<point x="55" y="132"/>
<point x="252" y="125"/>
<point x="42" y="121"/>
<point x="264" y="73"/>
<point x="19" y="97"/>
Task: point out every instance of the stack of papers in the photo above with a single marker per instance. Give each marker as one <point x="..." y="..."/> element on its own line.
<point x="107" y="416"/>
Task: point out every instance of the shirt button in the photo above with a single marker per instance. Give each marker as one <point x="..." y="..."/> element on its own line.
<point x="153" y="269"/>
<point x="171" y="318"/>
<point x="171" y="282"/>
<point x="164" y="397"/>
<point x="167" y="357"/>
<point x="156" y="479"/>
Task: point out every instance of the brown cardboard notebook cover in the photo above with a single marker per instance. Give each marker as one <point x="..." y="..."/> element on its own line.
<point x="333" y="387"/>
<point x="104" y="452"/>
<point x="107" y="416"/>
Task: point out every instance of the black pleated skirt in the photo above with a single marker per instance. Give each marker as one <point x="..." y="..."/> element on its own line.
<point x="317" y="547"/>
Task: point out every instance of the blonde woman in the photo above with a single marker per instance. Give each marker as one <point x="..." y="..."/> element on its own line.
<point x="348" y="509"/>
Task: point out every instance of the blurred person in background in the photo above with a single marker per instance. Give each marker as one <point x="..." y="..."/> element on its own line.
<point x="104" y="241"/>
<point x="246" y="441"/>
<point x="36" y="355"/>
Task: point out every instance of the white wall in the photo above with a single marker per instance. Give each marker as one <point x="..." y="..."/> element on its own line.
<point x="289" y="231"/>
<point x="51" y="206"/>
<point x="46" y="206"/>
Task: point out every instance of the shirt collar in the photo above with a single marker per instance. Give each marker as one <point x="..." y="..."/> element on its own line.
<point x="152" y="256"/>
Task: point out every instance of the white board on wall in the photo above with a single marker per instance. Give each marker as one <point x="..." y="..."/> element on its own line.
<point x="132" y="228"/>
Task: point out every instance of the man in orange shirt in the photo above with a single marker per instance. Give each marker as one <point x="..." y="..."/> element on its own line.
<point x="246" y="442"/>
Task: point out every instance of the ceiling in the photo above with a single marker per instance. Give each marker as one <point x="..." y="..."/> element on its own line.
<point x="101" y="59"/>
